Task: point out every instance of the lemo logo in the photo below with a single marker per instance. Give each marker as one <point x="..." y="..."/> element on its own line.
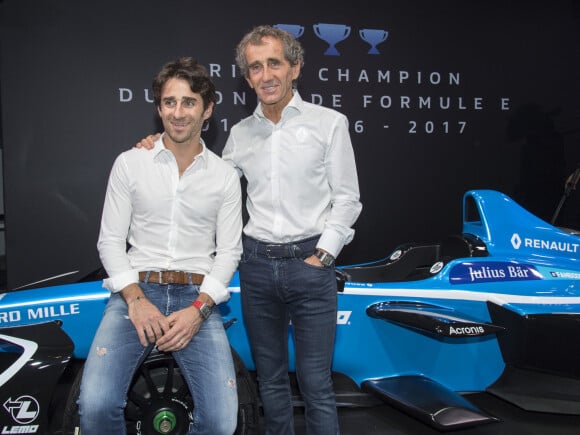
<point x="23" y="410"/>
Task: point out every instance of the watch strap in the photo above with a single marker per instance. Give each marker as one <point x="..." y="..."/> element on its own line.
<point x="204" y="309"/>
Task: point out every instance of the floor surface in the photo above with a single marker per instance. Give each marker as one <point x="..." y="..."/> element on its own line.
<point x="384" y="419"/>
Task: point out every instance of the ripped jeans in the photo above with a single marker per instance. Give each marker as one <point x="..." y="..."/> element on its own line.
<point x="116" y="353"/>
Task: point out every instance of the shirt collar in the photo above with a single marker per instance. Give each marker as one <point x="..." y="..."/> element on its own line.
<point x="159" y="149"/>
<point x="294" y="107"/>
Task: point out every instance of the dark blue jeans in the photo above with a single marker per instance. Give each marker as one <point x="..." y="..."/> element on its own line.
<point x="278" y="287"/>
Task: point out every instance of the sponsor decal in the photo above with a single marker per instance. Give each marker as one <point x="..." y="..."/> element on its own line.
<point x="32" y="428"/>
<point x="343" y="317"/>
<point x="467" y="330"/>
<point x="39" y="313"/>
<point x="436" y="268"/>
<point x="492" y="271"/>
<point x="23" y="410"/>
<point x="396" y="255"/>
<point x="544" y="245"/>
<point x="567" y="275"/>
<point x="360" y="284"/>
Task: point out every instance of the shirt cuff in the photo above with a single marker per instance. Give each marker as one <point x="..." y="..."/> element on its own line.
<point x="121" y="280"/>
<point x="215" y="289"/>
<point x="331" y="242"/>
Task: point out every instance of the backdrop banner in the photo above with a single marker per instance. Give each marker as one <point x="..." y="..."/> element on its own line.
<point x="442" y="97"/>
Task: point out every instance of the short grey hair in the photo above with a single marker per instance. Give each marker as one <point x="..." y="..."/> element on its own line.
<point x="293" y="51"/>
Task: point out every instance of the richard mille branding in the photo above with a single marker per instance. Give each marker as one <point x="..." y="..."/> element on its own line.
<point x="471" y="273"/>
<point x="40" y="313"/>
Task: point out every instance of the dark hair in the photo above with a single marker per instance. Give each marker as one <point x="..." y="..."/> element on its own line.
<point x="293" y="51"/>
<point x="186" y="68"/>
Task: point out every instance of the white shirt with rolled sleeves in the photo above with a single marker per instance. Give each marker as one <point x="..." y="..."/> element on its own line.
<point x="301" y="173"/>
<point x="191" y="223"/>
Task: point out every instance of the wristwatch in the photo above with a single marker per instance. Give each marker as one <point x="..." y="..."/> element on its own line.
<point x="325" y="258"/>
<point x="204" y="309"/>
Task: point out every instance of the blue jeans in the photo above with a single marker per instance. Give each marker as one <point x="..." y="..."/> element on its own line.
<point x="206" y="364"/>
<point x="278" y="287"/>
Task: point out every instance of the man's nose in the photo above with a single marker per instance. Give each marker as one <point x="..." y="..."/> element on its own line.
<point x="178" y="109"/>
<point x="267" y="73"/>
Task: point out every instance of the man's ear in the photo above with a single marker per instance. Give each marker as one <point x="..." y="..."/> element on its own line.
<point x="208" y="111"/>
<point x="296" y="70"/>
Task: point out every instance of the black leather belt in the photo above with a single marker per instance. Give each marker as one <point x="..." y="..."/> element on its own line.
<point x="171" y="277"/>
<point x="281" y="250"/>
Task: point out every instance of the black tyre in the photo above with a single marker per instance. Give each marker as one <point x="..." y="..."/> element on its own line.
<point x="159" y="401"/>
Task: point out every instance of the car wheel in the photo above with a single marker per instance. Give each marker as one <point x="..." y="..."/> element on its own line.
<point x="159" y="401"/>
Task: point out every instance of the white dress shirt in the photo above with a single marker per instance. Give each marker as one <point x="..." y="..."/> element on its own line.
<point x="301" y="174"/>
<point x="191" y="223"/>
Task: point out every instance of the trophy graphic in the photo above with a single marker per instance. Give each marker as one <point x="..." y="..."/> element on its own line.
<point x="373" y="37"/>
<point x="295" y="30"/>
<point x="332" y="34"/>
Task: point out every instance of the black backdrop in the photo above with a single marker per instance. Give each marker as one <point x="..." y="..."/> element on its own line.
<point x="460" y="95"/>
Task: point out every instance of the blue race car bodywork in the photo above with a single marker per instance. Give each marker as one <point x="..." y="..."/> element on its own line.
<point x="492" y="309"/>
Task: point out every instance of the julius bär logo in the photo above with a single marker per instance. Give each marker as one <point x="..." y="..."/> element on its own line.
<point x="332" y="34"/>
<point x="24" y="410"/>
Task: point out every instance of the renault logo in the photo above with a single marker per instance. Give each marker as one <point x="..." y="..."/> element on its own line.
<point x="516" y="241"/>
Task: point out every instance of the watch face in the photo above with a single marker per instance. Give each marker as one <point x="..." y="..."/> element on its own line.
<point x="325" y="258"/>
<point x="205" y="311"/>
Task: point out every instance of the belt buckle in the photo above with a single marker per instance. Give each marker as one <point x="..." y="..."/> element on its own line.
<point x="269" y="249"/>
<point x="160" y="277"/>
<point x="275" y="251"/>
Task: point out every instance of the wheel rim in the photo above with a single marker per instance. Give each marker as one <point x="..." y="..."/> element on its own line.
<point x="159" y="401"/>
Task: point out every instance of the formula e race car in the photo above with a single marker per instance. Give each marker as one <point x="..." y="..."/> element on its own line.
<point x="493" y="309"/>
